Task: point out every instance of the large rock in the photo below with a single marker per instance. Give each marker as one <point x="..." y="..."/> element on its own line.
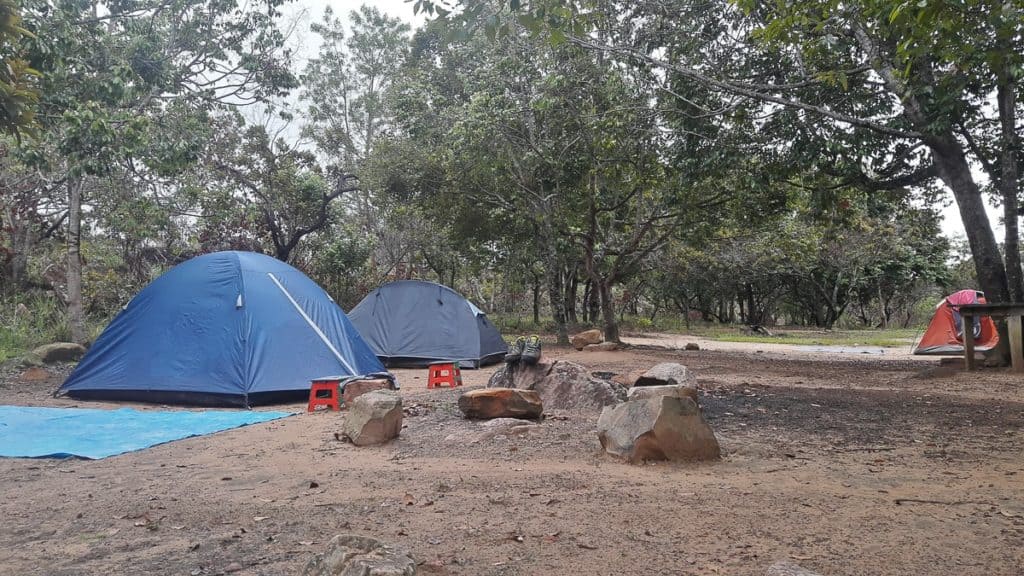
<point x="562" y="385"/>
<point x="490" y="403"/>
<point x="602" y="347"/>
<point x="674" y="390"/>
<point x="352" y="555"/>
<point x="629" y="379"/>
<point x="787" y="568"/>
<point x="356" y="388"/>
<point x="374" y="418"/>
<point x="659" y="428"/>
<point x="59" y="352"/>
<point x="666" y="374"/>
<point x="587" y="338"/>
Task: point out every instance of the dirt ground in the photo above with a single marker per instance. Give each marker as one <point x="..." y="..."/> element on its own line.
<point x="844" y="464"/>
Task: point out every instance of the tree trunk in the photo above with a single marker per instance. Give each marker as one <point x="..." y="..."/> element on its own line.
<point x="76" y="315"/>
<point x="553" y="278"/>
<point x="571" y="288"/>
<point x="536" y="300"/>
<point x="1008" y="188"/>
<point x="988" y="263"/>
<point x="611" y="323"/>
<point x="956" y="173"/>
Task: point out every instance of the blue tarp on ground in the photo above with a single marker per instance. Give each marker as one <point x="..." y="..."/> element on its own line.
<point x="31" y="432"/>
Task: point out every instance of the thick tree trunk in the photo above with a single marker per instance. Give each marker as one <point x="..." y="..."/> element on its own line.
<point x="956" y="173"/>
<point x="611" y="323"/>
<point x="76" y="314"/>
<point x="1009" y="141"/>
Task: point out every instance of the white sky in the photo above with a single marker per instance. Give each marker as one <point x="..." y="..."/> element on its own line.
<point x="305" y="44"/>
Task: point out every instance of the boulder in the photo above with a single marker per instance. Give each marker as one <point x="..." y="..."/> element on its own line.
<point x="666" y="374"/>
<point x="602" y="347"/>
<point x="674" y="390"/>
<point x="787" y="568"/>
<point x="561" y="385"/>
<point x="588" y="337"/>
<point x="628" y="380"/>
<point x="356" y="388"/>
<point x="59" y="352"/>
<point x="488" y="403"/>
<point x="374" y="418"/>
<point x="691" y="346"/>
<point x="658" y="428"/>
<point x="352" y="555"/>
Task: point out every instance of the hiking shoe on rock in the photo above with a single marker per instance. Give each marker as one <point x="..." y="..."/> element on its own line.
<point x="515" y="351"/>
<point x="531" y="352"/>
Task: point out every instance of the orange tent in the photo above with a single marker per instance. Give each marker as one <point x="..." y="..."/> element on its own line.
<point x="944" y="336"/>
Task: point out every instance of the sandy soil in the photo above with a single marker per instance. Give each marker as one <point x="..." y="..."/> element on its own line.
<point x="845" y="464"/>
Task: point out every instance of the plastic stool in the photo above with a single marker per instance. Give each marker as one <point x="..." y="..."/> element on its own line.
<point x="442" y="373"/>
<point x="329" y="385"/>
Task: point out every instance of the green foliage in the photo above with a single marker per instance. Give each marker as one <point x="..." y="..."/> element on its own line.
<point x="18" y="80"/>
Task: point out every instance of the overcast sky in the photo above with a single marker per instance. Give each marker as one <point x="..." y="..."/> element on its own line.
<point x="307" y="11"/>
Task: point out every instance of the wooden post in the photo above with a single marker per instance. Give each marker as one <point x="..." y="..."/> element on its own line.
<point x="1016" y="351"/>
<point x="968" y="320"/>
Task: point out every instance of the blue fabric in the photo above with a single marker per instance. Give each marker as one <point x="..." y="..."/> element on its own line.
<point x="29" y="432"/>
<point x="412" y="322"/>
<point x="218" y="329"/>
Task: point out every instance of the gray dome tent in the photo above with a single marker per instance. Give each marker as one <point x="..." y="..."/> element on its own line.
<point x="414" y="323"/>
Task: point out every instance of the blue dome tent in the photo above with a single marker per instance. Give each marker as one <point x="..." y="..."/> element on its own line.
<point x="228" y="328"/>
<point x="414" y="323"/>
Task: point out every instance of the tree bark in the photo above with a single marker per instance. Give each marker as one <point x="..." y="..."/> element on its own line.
<point x="553" y="278"/>
<point x="611" y="324"/>
<point x="536" y="300"/>
<point x="76" y="314"/>
<point x="1009" y="144"/>
<point x="955" y="172"/>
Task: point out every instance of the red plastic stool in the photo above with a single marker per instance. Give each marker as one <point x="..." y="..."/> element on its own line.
<point x="329" y="385"/>
<point x="444" y="373"/>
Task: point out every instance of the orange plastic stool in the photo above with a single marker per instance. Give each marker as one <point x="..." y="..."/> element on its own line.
<point x="444" y="373"/>
<point x="329" y="385"/>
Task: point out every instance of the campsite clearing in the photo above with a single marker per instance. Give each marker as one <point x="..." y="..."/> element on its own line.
<point x="845" y="464"/>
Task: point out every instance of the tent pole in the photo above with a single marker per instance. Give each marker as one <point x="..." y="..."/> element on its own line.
<point x="313" y="326"/>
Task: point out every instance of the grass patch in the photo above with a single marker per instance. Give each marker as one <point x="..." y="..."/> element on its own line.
<point x="27" y="321"/>
<point x="888" y="338"/>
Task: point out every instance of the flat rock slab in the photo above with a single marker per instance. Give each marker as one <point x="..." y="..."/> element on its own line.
<point x="666" y="374"/>
<point x="676" y="390"/>
<point x="562" y="385"/>
<point x="501" y="403"/>
<point x="602" y="347"/>
<point x="628" y="379"/>
<point x="658" y="428"/>
<point x="374" y="418"/>
<point x="353" y="555"/>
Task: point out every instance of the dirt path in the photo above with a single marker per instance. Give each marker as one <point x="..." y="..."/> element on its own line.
<point x="850" y="466"/>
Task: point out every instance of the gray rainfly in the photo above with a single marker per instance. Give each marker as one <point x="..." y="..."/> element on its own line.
<point x="414" y="323"/>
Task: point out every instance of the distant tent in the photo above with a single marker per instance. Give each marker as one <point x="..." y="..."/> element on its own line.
<point x="414" y="323"/>
<point x="945" y="333"/>
<point x="229" y="328"/>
